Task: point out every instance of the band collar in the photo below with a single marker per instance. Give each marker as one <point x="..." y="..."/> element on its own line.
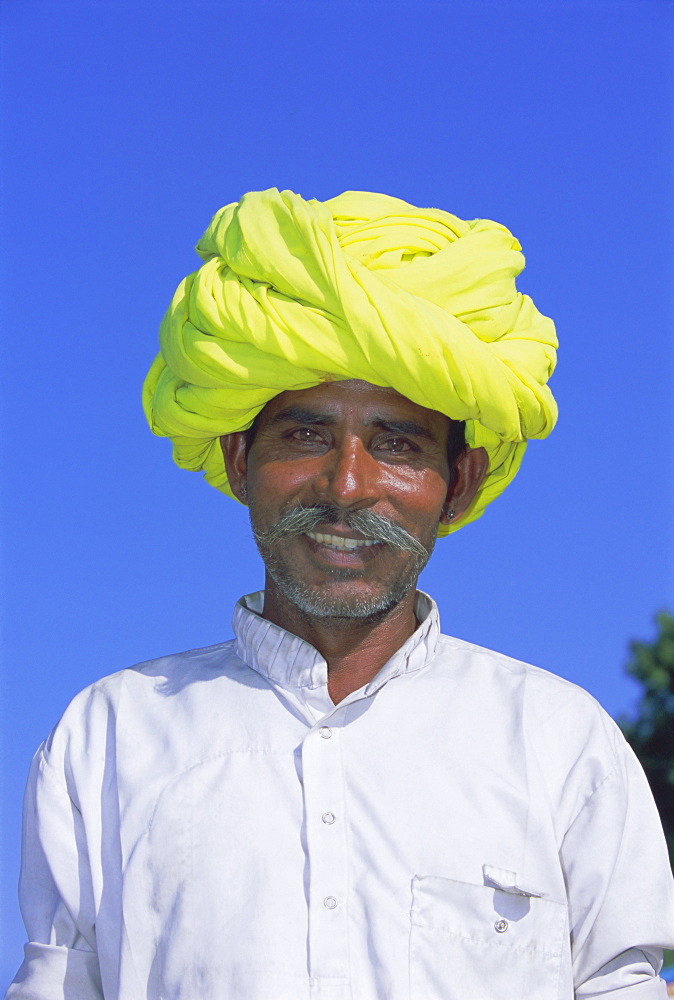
<point x="291" y="663"/>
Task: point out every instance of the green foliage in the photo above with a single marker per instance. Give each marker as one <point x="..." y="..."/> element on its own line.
<point x="651" y="733"/>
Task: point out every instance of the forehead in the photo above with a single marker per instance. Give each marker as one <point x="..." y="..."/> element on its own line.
<point x="354" y="399"/>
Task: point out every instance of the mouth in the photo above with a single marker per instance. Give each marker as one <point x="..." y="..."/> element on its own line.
<point x="340" y="543"/>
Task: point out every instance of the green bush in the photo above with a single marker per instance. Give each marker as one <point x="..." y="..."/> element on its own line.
<point x="651" y="733"/>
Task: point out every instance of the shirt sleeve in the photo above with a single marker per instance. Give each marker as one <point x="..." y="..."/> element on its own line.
<point x="56" y="896"/>
<point x="620" y="889"/>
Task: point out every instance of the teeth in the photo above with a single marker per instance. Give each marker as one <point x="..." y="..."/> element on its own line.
<point x="337" y="542"/>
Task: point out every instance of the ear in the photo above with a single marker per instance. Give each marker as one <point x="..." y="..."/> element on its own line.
<point x="469" y="470"/>
<point x="234" y="452"/>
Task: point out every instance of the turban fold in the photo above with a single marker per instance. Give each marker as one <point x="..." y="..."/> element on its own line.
<point x="293" y="293"/>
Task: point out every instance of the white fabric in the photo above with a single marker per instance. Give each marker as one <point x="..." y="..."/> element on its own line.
<point x="464" y="827"/>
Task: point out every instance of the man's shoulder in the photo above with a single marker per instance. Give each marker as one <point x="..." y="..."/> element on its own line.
<point x="489" y="661"/>
<point x="203" y="662"/>
<point x="147" y="690"/>
<point x="545" y="700"/>
<point x="165" y="674"/>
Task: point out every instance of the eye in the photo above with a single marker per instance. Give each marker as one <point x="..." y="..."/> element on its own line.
<point x="305" y="434"/>
<point x="397" y="445"/>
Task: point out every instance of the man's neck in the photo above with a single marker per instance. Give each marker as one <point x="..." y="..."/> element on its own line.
<point x="354" y="649"/>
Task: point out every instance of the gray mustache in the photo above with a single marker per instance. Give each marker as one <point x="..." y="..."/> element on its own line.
<point x="373" y="526"/>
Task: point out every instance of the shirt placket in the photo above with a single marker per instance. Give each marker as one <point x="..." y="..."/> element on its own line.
<point x="324" y="804"/>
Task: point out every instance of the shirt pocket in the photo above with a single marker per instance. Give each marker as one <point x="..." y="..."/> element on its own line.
<point x="480" y="942"/>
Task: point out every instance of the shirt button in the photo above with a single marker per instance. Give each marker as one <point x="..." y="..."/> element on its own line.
<point x="328" y="818"/>
<point x="325" y="732"/>
<point x="500" y="926"/>
<point x="329" y="902"/>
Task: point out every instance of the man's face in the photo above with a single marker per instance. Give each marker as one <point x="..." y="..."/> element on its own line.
<point x="346" y="483"/>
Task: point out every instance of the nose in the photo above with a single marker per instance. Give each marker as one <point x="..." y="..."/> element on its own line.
<point x="349" y="475"/>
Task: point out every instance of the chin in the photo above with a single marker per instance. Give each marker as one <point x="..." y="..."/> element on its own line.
<point x="320" y="602"/>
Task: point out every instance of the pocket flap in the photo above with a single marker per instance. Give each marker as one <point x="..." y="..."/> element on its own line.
<point x="508" y="881"/>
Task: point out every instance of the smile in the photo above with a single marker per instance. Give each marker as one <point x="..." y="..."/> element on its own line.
<point x="338" y="542"/>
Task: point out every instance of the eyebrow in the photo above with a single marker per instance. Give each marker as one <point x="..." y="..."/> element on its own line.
<point x="297" y="414"/>
<point x="407" y="427"/>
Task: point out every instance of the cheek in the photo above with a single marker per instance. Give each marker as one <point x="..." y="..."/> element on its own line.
<point x="419" y="493"/>
<point x="279" y="483"/>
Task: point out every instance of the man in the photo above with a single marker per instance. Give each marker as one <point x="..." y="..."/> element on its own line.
<point x="341" y="802"/>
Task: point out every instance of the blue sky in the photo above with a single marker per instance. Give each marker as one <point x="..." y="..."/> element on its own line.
<point x="127" y="125"/>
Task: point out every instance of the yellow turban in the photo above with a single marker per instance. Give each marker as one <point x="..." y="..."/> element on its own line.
<point x="293" y="293"/>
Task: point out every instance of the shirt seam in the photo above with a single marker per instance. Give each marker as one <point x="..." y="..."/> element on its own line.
<point x="614" y="770"/>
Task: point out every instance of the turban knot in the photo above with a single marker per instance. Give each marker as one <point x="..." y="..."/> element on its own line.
<point x="293" y="293"/>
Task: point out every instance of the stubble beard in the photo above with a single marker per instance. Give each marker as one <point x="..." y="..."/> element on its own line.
<point x="317" y="601"/>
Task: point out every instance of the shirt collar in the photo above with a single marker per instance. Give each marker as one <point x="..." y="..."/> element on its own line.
<point x="292" y="663"/>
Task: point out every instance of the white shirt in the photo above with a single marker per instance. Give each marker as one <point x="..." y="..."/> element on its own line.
<point x="210" y="826"/>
